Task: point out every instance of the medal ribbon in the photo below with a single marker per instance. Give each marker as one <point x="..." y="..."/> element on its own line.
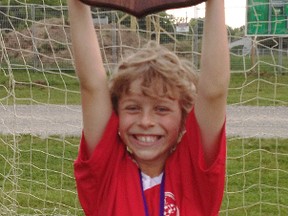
<point x="162" y="196"/>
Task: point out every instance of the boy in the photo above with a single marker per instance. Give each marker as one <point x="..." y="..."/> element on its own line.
<point x="153" y="141"/>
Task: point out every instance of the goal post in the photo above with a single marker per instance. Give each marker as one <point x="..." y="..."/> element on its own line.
<point x="40" y="114"/>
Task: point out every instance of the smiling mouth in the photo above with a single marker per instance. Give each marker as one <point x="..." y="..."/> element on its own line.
<point x="147" y="138"/>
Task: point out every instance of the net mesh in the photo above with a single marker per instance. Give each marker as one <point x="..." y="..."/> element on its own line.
<point x="41" y="117"/>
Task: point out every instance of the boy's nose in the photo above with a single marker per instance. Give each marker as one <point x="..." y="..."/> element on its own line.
<point x="146" y="120"/>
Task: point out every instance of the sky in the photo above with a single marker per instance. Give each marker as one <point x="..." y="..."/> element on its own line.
<point x="235" y="12"/>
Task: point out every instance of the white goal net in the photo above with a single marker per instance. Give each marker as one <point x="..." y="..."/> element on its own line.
<point x="40" y="116"/>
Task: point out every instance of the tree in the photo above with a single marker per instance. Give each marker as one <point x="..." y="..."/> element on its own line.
<point x="237" y="32"/>
<point x="196" y="25"/>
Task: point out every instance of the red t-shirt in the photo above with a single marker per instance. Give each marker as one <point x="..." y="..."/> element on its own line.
<point x="108" y="182"/>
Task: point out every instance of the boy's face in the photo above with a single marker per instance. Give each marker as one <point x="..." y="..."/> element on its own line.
<point x="148" y="126"/>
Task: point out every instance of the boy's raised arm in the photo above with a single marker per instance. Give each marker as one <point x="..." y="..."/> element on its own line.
<point x="96" y="104"/>
<point x="210" y="105"/>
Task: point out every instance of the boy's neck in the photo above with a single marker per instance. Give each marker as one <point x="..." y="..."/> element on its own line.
<point x="151" y="169"/>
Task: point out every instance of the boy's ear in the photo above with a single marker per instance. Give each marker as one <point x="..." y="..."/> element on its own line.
<point x="140" y="8"/>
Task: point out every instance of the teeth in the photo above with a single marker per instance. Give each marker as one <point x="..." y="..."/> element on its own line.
<point x="147" y="138"/>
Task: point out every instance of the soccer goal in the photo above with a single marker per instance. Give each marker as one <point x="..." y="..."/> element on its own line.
<point x="40" y="114"/>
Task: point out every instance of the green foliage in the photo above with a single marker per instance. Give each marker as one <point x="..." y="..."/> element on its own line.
<point x="197" y="26"/>
<point x="236" y="32"/>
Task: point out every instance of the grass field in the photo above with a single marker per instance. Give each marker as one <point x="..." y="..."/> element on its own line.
<point x="42" y="180"/>
<point x="34" y="87"/>
<point x="265" y="88"/>
<point x="43" y="169"/>
<point x="263" y="83"/>
<point x="256" y="177"/>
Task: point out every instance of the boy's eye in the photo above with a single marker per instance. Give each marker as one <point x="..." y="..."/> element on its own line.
<point x="132" y="108"/>
<point x="162" y="109"/>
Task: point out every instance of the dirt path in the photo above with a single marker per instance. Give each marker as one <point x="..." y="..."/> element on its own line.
<point x="244" y="121"/>
<point x="248" y="121"/>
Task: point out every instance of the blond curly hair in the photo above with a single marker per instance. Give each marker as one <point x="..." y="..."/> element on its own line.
<point x="162" y="74"/>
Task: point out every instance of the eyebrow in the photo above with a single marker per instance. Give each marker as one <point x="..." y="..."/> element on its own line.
<point x="134" y="97"/>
